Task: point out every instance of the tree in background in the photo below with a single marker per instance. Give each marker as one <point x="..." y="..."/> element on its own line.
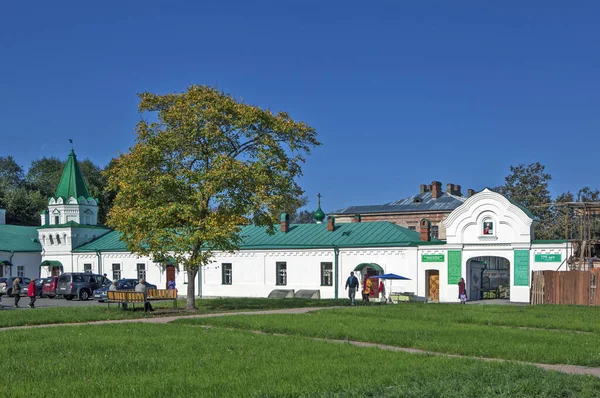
<point x="527" y="185"/>
<point x="11" y="177"/>
<point x="25" y="196"/>
<point x="207" y="166"/>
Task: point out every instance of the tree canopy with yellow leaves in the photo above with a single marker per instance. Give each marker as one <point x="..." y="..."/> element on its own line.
<point x="205" y="167"/>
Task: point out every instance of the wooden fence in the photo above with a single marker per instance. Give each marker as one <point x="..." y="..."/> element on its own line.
<point x="566" y="287"/>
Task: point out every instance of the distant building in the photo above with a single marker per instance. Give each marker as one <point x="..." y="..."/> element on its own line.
<point x="431" y="203"/>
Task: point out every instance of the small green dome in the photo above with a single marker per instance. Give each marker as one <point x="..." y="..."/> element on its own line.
<point x="319" y="216"/>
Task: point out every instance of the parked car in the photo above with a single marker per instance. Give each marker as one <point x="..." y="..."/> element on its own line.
<point x="122" y="284"/>
<point x="7" y="283"/>
<point x="79" y="284"/>
<point x="49" y="287"/>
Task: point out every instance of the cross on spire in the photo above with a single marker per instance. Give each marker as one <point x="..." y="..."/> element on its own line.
<point x="319" y="197"/>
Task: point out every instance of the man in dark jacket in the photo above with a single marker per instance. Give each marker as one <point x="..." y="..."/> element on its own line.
<point x="352" y="283"/>
<point x="16" y="290"/>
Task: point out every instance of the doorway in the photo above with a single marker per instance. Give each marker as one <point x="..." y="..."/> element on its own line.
<point x="488" y="277"/>
<point x="170" y="274"/>
<point x="432" y="277"/>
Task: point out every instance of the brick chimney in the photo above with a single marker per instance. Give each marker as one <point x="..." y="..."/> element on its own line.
<point x="356" y="218"/>
<point x="284" y="222"/>
<point x="425" y="229"/>
<point x="457" y="191"/>
<point x="424" y="188"/>
<point x="470" y="192"/>
<point x="450" y="188"/>
<point x="436" y="189"/>
<point x="331" y="223"/>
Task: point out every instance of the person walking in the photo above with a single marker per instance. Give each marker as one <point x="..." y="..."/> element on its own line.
<point x="367" y="286"/>
<point x="31" y="294"/>
<point x="352" y="283"/>
<point x="462" y="291"/>
<point x="16" y="291"/>
<point x="382" y="290"/>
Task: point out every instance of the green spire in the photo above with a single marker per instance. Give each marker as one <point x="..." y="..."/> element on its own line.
<point x="319" y="215"/>
<point x="72" y="184"/>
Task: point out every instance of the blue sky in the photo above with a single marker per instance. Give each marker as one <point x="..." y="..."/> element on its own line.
<point x="401" y="93"/>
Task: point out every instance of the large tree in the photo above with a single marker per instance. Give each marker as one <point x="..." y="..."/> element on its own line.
<point x="528" y="186"/>
<point x="11" y="177"/>
<point x="208" y="165"/>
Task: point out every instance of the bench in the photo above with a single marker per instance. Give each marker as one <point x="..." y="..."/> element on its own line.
<point x="132" y="297"/>
<point x="163" y="294"/>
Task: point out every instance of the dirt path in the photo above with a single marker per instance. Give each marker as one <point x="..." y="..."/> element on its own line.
<point x="569" y="369"/>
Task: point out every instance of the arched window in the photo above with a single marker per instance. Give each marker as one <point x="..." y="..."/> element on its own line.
<point x="57" y="239"/>
<point x="51" y="239"/>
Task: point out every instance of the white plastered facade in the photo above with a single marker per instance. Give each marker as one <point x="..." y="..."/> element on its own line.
<point x="254" y="272"/>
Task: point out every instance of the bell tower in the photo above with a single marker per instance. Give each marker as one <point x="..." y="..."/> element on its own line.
<point x="72" y="201"/>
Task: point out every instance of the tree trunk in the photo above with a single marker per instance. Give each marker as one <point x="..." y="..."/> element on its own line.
<point x="191" y="289"/>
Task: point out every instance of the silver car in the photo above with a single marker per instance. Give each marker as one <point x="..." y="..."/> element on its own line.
<point x="6" y="285"/>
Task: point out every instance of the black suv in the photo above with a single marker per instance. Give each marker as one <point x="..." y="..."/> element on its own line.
<point x="79" y="284"/>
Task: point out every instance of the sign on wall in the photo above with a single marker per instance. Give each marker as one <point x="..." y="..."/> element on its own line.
<point x="454" y="266"/>
<point x="432" y="258"/>
<point x="521" y="268"/>
<point x="548" y="258"/>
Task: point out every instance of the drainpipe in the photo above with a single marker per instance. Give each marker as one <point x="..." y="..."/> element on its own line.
<point x="99" y="262"/>
<point x="12" y="253"/>
<point x="336" y="253"/>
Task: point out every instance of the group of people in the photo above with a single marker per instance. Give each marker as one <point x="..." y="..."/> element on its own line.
<point x="352" y="285"/>
<point x="16" y="292"/>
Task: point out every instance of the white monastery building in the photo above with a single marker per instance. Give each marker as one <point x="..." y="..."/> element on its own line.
<point x="489" y="242"/>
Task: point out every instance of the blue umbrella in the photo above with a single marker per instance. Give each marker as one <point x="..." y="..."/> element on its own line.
<point x="391" y="276"/>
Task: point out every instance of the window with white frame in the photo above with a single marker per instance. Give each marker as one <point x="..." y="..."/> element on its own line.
<point x="434" y="232"/>
<point x="87" y="267"/>
<point x="141" y="271"/>
<point x="20" y="271"/>
<point x="56" y="220"/>
<point x="226" y="275"/>
<point x="116" y="272"/>
<point x="326" y="274"/>
<point x="281" y="273"/>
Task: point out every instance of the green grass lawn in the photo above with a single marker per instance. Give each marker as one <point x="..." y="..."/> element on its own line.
<point x="101" y="312"/>
<point x="175" y="360"/>
<point x="455" y="329"/>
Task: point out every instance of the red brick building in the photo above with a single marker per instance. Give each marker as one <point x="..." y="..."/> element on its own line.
<point x="431" y="203"/>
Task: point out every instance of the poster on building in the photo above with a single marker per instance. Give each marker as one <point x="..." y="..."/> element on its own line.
<point x="454" y="266"/>
<point x="521" y="268"/>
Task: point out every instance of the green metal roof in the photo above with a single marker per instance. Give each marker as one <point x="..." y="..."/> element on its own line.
<point x="17" y="238"/>
<point x="376" y="267"/>
<point x="299" y="236"/>
<point x="548" y="241"/>
<point x="72" y="184"/>
<point x="52" y="264"/>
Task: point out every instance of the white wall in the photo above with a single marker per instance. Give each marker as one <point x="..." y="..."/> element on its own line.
<point x="29" y="260"/>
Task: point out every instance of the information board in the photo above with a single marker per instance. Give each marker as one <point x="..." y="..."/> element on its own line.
<point x="521" y="268"/>
<point x="432" y="258"/>
<point x="454" y="266"/>
<point x="548" y="258"/>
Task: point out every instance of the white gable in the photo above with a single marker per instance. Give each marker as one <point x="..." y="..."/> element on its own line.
<point x="488" y="218"/>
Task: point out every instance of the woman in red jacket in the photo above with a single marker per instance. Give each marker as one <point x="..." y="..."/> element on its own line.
<point x="31" y="293"/>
